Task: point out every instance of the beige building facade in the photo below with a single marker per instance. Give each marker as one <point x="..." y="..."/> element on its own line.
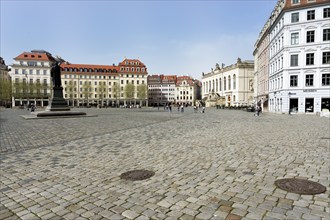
<point x="261" y="68"/>
<point x="105" y="85"/>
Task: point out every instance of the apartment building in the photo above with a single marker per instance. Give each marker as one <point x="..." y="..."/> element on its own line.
<point x="105" y="85"/>
<point x="261" y="67"/>
<point x="5" y="84"/>
<point x="187" y="90"/>
<point x="233" y="83"/>
<point x="161" y="89"/>
<point x="30" y="75"/>
<point x="173" y="89"/>
<point x="299" y="56"/>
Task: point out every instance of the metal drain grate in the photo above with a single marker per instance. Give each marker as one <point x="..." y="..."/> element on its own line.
<point x="137" y="175"/>
<point x="300" y="186"/>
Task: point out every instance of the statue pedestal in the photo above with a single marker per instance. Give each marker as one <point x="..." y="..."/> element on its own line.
<point x="58" y="103"/>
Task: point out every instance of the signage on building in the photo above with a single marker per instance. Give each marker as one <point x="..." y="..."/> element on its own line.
<point x="309" y="90"/>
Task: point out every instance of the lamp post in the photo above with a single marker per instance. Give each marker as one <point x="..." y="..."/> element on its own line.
<point x="27" y="90"/>
<point x="289" y="102"/>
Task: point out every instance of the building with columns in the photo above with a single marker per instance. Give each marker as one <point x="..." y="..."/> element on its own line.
<point x="299" y="56"/>
<point x="234" y="83"/>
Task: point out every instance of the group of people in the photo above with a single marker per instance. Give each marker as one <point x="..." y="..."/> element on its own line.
<point x="182" y="106"/>
<point x="30" y="107"/>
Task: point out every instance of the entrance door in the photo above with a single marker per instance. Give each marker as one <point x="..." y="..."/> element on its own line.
<point x="309" y="105"/>
<point x="293" y="105"/>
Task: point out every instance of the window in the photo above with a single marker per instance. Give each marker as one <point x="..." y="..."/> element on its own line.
<point x="45" y="72"/>
<point x="326" y="13"/>
<point x="310" y="59"/>
<point x="295" y="1"/>
<point x="310" y="36"/>
<point x="293" y="81"/>
<point x="310" y="15"/>
<point x="326" y="58"/>
<point x="38" y="72"/>
<point x="294" y="38"/>
<point x="309" y="80"/>
<point x="295" y="17"/>
<point x="294" y="60"/>
<point x="326" y="79"/>
<point x="326" y="34"/>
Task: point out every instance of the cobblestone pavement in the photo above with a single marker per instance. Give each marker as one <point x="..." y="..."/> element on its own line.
<point x="217" y="165"/>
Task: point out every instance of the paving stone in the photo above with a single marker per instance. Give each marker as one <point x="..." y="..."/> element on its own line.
<point x="130" y="214"/>
<point x="72" y="166"/>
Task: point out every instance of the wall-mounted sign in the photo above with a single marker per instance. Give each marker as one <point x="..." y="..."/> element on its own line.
<point x="309" y="90"/>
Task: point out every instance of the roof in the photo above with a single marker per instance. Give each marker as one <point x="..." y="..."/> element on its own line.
<point x="35" y="56"/>
<point x="131" y="62"/>
<point x="190" y="81"/>
<point x="89" y="66"/>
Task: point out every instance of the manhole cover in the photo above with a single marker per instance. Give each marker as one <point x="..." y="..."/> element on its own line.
<point x="137" y="175"/>
<point x="300" y="186"/>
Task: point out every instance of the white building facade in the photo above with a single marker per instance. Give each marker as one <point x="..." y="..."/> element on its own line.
<point x="32" y="68"/>
<point x="165" y="89"/>
<point x="234" y="83"/>
<point x="299" y="57"/>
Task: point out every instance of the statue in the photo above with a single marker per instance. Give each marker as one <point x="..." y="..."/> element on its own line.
<point x="217" y="67"/>
<point x="222" y="65"/>
<point x="56" y="75"/>
<point x="251" y="84"/>
<point x="239" y="60"/>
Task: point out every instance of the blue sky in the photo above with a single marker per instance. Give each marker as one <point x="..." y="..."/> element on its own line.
<point x="170" y="37"/>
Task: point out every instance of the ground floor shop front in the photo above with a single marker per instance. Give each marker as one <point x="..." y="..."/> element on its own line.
<point x="17" y="102"/>
<point x="300" y="101"/>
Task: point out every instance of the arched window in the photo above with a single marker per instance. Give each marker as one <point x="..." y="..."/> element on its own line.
<point x="229" y="83"/>
<point x="216" y="85"/>
<point x="220" y="88"/>
<point x="224" y="83"/>
<point x="234" y="81"/>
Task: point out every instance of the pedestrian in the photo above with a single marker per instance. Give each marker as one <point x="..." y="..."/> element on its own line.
<point x="182" y="110"/>
<point x="203" y="109"/>
<point x="257" y="110"/>
<point x="32" y="107"/>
